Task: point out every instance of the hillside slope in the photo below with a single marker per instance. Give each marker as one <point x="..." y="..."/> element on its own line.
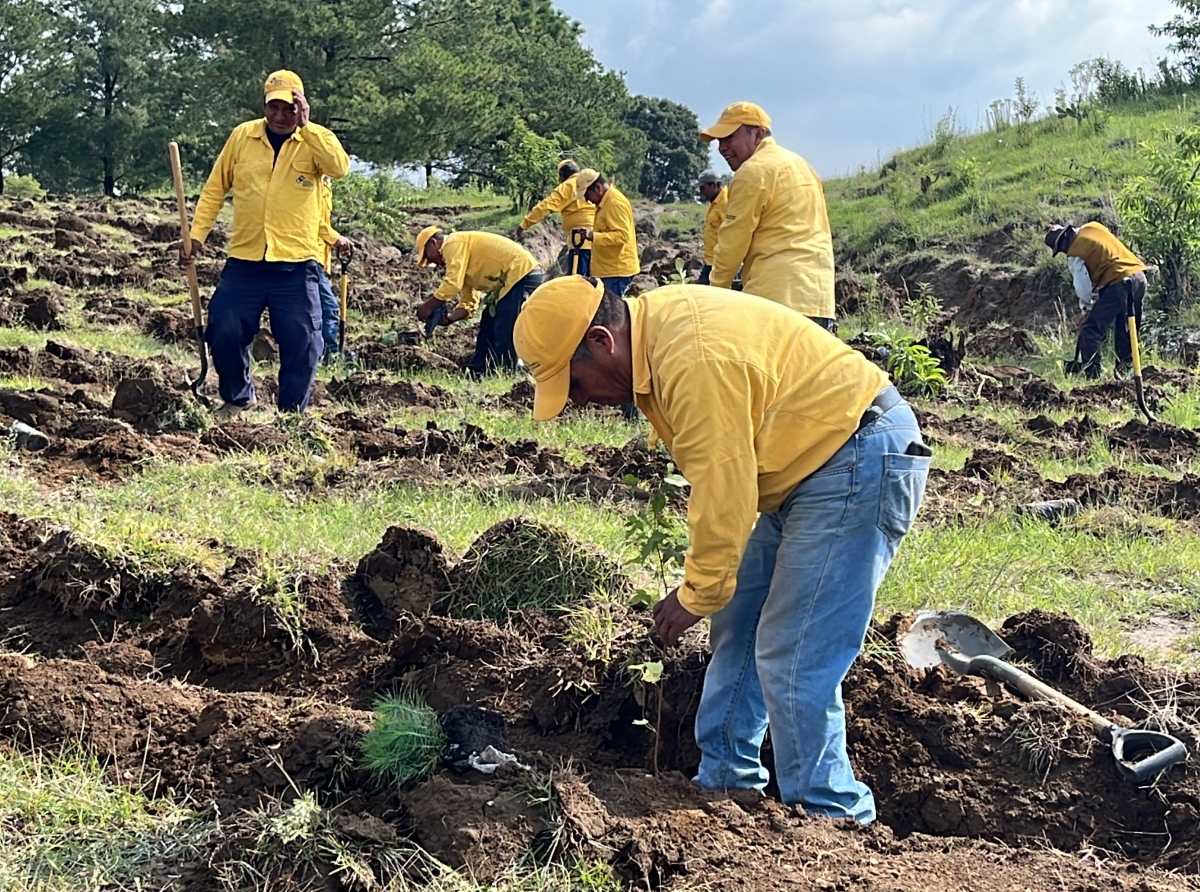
<point x="966" y="214"/>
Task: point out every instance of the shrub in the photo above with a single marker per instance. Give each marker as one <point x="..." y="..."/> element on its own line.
<point x="406" y="740"/>
<point x="370" y="202"/>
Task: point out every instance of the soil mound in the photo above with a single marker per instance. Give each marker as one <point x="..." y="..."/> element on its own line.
<point x="372" y="355"/>
<point x="1003" y="342"/>
<point x="367" y="388"/>
<point x="150" y="405"/>
<point x="407" y="572"/>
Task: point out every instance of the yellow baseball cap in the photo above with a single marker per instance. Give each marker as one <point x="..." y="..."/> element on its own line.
<point x="565" y="162"/>
<point x="552" y="323"/>
<point x="735" y="116"/>
<point x="584" y="180"/>
<point x="423" y="238"/>
<point x="280" y="84"/>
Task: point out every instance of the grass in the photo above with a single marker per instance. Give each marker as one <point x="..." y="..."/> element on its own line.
<point x="406" y="740"/>
<point x="63" y="826"/>
<point x="125" y="340"/>
<point x="1051" y="170"/>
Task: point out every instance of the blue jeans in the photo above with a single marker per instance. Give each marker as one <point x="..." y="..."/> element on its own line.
<point x="585" y="261"/>
<point x="805" y="592"/>
<point x="617" y="284"/>
<point x="331" y="313"/>
<point x="289" y="291"/>
<point x="494" y="343"/>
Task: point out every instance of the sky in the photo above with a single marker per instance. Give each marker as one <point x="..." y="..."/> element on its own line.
<point x="847" y="82"/>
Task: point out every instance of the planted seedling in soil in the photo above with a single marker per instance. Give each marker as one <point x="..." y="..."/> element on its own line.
<point x="660" y="537"/>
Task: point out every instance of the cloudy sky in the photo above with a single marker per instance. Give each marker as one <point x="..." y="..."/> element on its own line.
<point x="846" y="82"/>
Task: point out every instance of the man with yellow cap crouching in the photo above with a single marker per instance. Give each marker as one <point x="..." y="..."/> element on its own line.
<point x="776" y="227"/>
<point x="480" y="267"/>
<point x="274" y="165"/>
<point x="763" y="411"/>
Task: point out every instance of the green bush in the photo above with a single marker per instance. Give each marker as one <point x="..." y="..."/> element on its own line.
<point x="370" y="203"/>
<point x="406" y="740"/>
<point x="22" y="187"/>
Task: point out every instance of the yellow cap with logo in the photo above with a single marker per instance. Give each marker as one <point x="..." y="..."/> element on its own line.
<point x="423" y="238"/>
<point x="551" y="325"/>
<point x="736" y="115"/>
<point x="280" y="85"/>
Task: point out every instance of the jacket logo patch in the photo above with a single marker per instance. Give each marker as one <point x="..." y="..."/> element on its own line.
<point x="305" y="182"/>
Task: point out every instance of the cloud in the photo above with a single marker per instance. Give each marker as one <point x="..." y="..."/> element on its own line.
<point x="847" y="81"/>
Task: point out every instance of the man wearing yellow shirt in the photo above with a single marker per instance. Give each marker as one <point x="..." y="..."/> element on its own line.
<point x="578" y="215"/>
<point x="274" y="166"/>
<point x="717" y="197"/>
<point x="806" y="470"/>
<point x="776" y="227"/>
<point x="1107" y="278"/>
<point x="613" y="237"/>
<point x="480" y="265"/>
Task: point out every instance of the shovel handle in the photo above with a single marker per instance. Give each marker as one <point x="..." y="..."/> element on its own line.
<point x="185" y="233"/>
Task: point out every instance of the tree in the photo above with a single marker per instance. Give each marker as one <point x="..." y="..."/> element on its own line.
<point x="1161" y="212"/>
<point x="31" y="71"/>
<point x="528" y="164"/>
<point x="675" y="154"/>
<point x="1184" y="31"/>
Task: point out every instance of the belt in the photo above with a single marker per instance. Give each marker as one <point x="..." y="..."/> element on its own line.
<point x="887" y="400"/>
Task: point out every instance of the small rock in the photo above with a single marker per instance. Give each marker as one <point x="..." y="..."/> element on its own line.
<point x="263" y="348"/>
<point x="28" y="438"/>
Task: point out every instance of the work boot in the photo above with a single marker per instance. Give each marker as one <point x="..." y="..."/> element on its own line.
<point x="229" y="411"/>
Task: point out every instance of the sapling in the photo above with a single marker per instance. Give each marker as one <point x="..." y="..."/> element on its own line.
<point x="406" y="740"/>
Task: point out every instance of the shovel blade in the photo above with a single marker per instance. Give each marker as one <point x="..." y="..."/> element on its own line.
<point x="949" y="630"/>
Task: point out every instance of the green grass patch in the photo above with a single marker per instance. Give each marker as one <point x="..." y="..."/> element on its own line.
<point x="406" y="740"/>
<point x="7" y="232"/>
<point x="63" y="826"/>
<point x="123" y="339"/>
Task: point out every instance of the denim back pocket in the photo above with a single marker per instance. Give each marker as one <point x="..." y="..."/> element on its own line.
<point x="901" y="492"/>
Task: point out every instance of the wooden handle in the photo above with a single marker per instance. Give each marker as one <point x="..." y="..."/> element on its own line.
<point x="186" y="234"/>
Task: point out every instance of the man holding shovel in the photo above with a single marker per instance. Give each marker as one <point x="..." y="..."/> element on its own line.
<point x="578" y="214"/>
<point x="717" y="197"/>
<point x="806" y="470"/>
<point x="274" y="166"/>
<point x="1108" y="278"/>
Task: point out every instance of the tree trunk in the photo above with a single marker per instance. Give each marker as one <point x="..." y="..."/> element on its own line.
<point x="428" y="173"/>
<point x="109" y="180"/>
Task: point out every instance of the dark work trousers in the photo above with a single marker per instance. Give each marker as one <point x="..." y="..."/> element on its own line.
<point x="585" y="262"/>
<point x="705" y="272"/>
<point x="826" y="323"/>
<point x="617" y="284"/>
<point x="494" y="344"/>
<point x="290" y="292"/>
<point x="1110" y="311"/>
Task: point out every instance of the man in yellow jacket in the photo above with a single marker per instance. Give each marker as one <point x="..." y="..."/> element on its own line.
<point x="480" y="265"/>
<point x="717" y="197"/>
<point x="806" y="470"/>
<point x="274" y="166"/>
<point x="776" y="227"/>
<point x="578" y="215"/>
<point x="1107" y="278"/>
<point x="613" y="236"/>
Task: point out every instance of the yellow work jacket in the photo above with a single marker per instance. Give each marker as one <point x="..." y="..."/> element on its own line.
<point x="329" y="235"/>
<point x="1107" y="259"/>
<point x="777" y="230"/>
<point x="750" y="398"/>
<point x="576" y="213"/>
<point x="713" y="218"/>
<point x="277" y="203"/>
<point x="481" y="263"/>
<point x="614" y="240"/>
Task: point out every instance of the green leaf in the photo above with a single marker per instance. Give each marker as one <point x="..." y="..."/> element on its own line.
<point x="651" y="672"/>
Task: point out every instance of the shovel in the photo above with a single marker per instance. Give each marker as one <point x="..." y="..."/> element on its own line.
<point x="185" y="233"/>
<point x="577" y="243"/>
<point x="970" y="648"/>
<point x="344" y="258"/>
<point x="1131" y="323"/>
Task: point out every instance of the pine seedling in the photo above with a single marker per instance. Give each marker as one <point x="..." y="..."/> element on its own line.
<point x="406" y="740"/>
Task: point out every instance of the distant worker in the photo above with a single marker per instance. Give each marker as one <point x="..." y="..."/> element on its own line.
<point x="480" y="267"/>
<point x="1107" y="275"/>
<point x="577" y="213"/>
<point x="274" y="166"/>
<point x="776" y="227"/>
<point x="717" y="197"/>
<point x="331" y="307"/>
<point x="613" y="237"/>
<point x="763" y="411"/>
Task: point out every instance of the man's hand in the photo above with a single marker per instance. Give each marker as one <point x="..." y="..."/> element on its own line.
<point x="520" y="232"/>
<point x="302" y="109"/>
<point x="672" y="619"/>
<point x="186" y="259"/>
<point x="458" y="314"/>
<point x="588" y="235"/>
<point x="343" y="246"/>
<point x="1083" y="317"/>
<point x="426" y="309"/>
